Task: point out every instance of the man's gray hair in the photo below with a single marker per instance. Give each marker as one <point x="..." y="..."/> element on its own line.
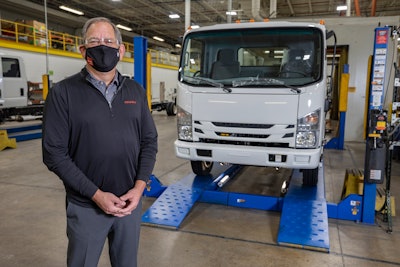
<point x="101" y="19"/>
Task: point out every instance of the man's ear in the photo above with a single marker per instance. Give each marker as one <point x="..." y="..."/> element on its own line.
<point x="121" y="51"/>
<point x="82" y="49"/>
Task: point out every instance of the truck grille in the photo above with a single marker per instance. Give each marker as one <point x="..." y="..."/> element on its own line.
<point x="242" y="125"/>
<point x="242" y="143"/>
<point x="245" y="134"/>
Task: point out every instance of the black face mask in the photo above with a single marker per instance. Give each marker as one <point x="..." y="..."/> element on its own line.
<point x="102" y="58"/>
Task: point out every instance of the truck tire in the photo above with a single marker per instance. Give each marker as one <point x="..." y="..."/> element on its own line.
<point x="171" y="109"/>
<point x="202" y="168"/>
<point x="310" y="177"/>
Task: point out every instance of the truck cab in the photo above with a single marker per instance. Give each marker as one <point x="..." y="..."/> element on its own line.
<point x="253" y="94"/>
<point x="13" y="82"/>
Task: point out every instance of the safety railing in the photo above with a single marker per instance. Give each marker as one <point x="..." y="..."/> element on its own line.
<point x="34" y="33"/>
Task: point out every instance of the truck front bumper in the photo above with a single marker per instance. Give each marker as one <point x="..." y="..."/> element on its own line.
<point x="249" y="155"/>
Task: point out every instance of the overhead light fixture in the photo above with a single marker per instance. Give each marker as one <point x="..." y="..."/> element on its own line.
<point x="77" y="12"/>
<point x="124" y="27"/>
<point x="231" y="13"/>
<point x="158" y="38"/>
<point x="178" y="46"/>
<point x="174" y="16"/>
<point x="195" y="26"/>
<point x="341" y="8"/>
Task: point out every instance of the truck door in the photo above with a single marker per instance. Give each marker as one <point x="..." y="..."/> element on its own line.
<point x="14" y="83"/>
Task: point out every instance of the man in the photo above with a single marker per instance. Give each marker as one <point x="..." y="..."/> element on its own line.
<point x="100" y="139"/>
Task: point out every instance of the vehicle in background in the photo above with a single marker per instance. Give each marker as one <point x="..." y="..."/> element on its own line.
<point x="163" y="99"/>
<point x="18" y="97"/>
<point x="253" y="94"/>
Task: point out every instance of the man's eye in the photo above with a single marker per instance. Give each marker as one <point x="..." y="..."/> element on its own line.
<point x="110" y="41"/>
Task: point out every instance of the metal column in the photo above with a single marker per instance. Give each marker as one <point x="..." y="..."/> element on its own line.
<point x="376" y="98"/>
<point x="140" y="52"/>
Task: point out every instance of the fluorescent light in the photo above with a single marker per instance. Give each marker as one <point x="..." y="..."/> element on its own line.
<point x="195" y="26"/>
<point x="77" y="12"/>
<point x="178" y="46"/>
<point x="124" y="27"/>
<point x="174" y="16"/>
<point x="232" y="13"/>
<point x="158" y="38"/>
<point x="341" y="8"/>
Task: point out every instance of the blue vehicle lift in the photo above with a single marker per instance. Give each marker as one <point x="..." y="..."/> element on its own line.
<point x="304" y="210"/>
<point x="23" y="131"/>
<point x="337" y="142"/>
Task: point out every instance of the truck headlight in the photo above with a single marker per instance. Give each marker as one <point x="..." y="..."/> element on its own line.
<point x="184" y="122"/>
<point x="308" y="130"/>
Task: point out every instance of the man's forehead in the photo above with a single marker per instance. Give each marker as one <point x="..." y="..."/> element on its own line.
<point x="100" y="26"/>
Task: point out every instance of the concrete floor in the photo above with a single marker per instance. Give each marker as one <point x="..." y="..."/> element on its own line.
<point x="32" y="220"/>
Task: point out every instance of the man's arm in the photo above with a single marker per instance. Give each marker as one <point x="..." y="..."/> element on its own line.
<point x="55" y="143"/>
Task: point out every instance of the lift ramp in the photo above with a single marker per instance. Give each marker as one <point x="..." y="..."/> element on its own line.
<point x="23" y="131"/>
<point x="172" y="206"/>
<point x="175" y="201"/>
<point x="304" y="217"/>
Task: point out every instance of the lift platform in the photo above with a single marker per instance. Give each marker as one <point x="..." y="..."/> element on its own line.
<point x="304" y="219"/>
<point x="23" y="131"/>
<point x="176" y="200"/>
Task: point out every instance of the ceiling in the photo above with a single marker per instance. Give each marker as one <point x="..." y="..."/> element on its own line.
<point x="150" y="17"/>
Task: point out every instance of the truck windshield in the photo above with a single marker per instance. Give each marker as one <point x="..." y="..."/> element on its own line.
<point x="288" y="56"/>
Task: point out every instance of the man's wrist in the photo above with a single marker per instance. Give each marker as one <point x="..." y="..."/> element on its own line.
<point x="96" y="195"/>
<point x="140" y="185"/>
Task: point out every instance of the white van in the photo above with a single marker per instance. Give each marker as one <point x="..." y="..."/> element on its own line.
<point x="14" y="91"/>
<point x="13" y="82"/>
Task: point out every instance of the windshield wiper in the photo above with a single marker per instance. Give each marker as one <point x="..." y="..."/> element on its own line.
<point x="212" y="83"/>
<point x="264" y="81"/>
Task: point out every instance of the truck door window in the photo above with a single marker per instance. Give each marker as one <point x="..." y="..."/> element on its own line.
<point x="10" y="67"/>
<point x="193" y="58"/>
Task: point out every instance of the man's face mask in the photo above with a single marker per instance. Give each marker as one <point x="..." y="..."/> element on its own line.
<point x="102" y="58"/>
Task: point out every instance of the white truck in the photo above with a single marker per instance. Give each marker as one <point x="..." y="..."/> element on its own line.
<point x="15" y="97"/>
<point x="253" y="94"/>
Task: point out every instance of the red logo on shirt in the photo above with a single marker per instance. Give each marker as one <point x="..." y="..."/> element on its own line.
<point x="130" y="102"/>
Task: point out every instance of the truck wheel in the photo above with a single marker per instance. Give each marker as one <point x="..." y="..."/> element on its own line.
<point x="171" y="109"/>
<point x="201" y="168"/>
<point x="310" y="177"/>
